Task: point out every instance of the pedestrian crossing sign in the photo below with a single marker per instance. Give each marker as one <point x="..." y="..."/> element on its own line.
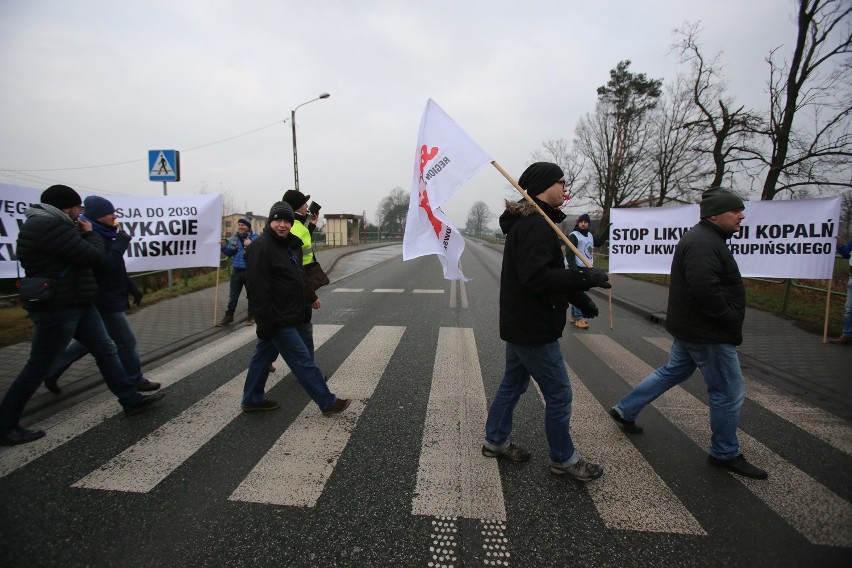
<point x="163" y="165"/>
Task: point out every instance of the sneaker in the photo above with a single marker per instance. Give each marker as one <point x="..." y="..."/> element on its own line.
<point x="144" y="404"/>
<point x="20" y="435"/>
<point x="146" y="386"/>
<point x="339" y="406"/>
<point x="266" y="404"/>
<point x="512" y="453"/>
<point x="582" y="470"/>
<point x="740" y="466"/>
<point x="628" y="426"/>
<point x="582" y="324"/>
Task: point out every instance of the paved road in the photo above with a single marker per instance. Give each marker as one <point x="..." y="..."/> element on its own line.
<point x="398" y="480"/>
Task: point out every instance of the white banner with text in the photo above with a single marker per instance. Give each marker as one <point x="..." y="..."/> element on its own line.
<point x="777" y="239"/>
<point x="174" y="231"/>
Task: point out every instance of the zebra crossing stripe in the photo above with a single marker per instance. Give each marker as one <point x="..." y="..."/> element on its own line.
<point x="453" y="479"/>
<point x="141" y="467"/>
<point x="297" y="467"/>
<point x="630" y="495"/>
<point x="815" y="421"/>
<point x="70" y="423"/>
<point x="788" y="491"/>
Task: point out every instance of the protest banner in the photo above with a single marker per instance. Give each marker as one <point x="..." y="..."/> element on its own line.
<point x="172" y="231"/>
<point x="777" y="239"/>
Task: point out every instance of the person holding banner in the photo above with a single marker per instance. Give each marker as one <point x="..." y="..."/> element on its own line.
<point x="585" y="243"/>
<point x="276" y="283"/>
<point x="535" y="291"/>
<point x="235" y="248"/>
<point x="114" y="286"/>
<point x="846" y="335"/>
<point x="705" y="314"/>
<point x="55" y="245"/>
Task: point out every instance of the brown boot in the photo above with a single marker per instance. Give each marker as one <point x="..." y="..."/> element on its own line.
<point x="842" y="340"/>
<point x="229" y="317"/>
<point x="249" y="320"/>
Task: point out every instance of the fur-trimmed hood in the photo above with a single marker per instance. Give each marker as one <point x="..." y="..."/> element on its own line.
<point x="519" y="209"/>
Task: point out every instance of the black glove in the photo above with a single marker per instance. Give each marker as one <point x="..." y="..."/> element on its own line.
<point x="123" y="236"/>
<point x="584" y="303"/>
<point x="595" y="278"/>
<point x="264" y="331"/>
<point x="134" y="291"/>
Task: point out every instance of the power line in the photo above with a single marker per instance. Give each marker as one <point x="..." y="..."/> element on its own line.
<point x="141" y="159"/>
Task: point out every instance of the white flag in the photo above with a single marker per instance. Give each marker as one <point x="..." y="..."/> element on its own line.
<point x="446" y="158"/>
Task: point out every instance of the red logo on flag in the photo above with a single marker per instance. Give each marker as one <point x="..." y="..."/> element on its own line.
<point x="425" y="156"/>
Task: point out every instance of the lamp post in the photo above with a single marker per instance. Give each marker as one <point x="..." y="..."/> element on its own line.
<point x="293" y="125"/>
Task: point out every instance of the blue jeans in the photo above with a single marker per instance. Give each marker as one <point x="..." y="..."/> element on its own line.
<point x="847" y="316"/>
<point x="725" y="389"/>
<point x="306" y="332"/>
<point x="238" y="281"/>
<point x="545" y="364"/>
<point x="287" y="342"/>
<point x="54" y="329"/>
<point x="576" y="313"/>
<point x="119" y="330"/>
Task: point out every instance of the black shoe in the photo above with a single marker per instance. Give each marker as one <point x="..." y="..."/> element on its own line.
<point x="740" y="466"/>
<point x="145" y="403"/>
<point x="512" y="453"/>
<point x="339" y="406"/>
<point x="628" y="426"/>
<point x="51" y="385"/>
<point x="147" y="386"/>
<point x="20" y="435"/>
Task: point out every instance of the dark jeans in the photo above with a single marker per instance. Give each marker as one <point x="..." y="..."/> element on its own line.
<point x="119" y="330"/>
<point x="238" y="281"/>
<point x="54" y="329"/>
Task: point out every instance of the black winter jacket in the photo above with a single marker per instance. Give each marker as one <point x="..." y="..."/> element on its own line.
<point x="49" y="245"/>
<point x="706" y="296"/>
<point x="535" y="287"/>
<point x="275" y="281"/>
<point x="111" y="276"/>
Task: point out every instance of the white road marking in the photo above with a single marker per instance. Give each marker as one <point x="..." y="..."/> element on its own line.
<point x="630" y="495"/>
<point x="821" y="424"/>
<point x="427" y="291"/>
<point x="70" y="423"/>
<point x="818" y="513"/>
<point x="142" y="466"/>
<point x="453" y="479"/>
<point x="297" y="467"/>
<point x="351" y="290"/>
<point x="389" y="290"/>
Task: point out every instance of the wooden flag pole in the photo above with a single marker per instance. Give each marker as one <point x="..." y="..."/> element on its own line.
<point x="543" y="214"/>
<point x="827" y="307"/>
<point x="216" y="294"/>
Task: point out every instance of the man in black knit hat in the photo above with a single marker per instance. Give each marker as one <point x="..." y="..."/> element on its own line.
<point x="705" y="316"/>
<point x="55" y="243"/>
<point x="535" y="291"/>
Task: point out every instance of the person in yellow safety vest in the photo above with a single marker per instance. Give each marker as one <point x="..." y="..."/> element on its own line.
<point x="303" y="227"/>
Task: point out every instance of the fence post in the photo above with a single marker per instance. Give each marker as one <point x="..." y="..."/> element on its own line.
<point x="787" y="286"/>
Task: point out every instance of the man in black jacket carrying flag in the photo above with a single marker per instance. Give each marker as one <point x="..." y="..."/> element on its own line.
<point x="535" y="291"/>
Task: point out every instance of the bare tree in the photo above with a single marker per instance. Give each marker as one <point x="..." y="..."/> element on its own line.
<point x="614" y="139"/>
<point x="677" y="166"/>
<point x="728" y="128"/>
<point x="478" y="218"/>
<point x="393" y="210"/>
<point x="846" y="214"/>
<point x="814" y="83"/>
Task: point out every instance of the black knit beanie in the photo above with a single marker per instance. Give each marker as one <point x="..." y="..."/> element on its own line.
<point x="717" y="200"/>
<point x="281" y="210"/>
<point x="539" y="176"/>
<point x="61" y="197"/>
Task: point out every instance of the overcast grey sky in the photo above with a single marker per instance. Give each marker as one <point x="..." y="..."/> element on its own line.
<point x="86" y="83"/>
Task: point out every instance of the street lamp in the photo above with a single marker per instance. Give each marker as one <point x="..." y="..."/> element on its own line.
<point x="293" y="125"/>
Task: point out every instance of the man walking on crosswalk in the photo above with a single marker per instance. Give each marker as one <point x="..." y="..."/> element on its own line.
<point x="276" y="284"/>
<point x="705" y="316"/>
<point x="535" y="291"/>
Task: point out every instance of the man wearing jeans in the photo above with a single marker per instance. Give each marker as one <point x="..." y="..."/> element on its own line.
<point x="276" y="283"/>
<point x="54" y="243"/>
<point x="535" y="290"/>
<point x="705" y="316"/>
